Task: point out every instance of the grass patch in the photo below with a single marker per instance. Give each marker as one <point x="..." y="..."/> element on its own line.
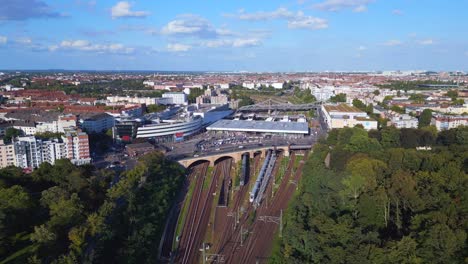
<point x="297" y="160"/>
<point x="237" y="173"/>
<point x="251" y="218"/>
<point x="275" y="256"/>
<point x="282" y="169"/>
<point x="207" y="181"/>
<point x="209" y="235"/>
<point x="183" y="213"/>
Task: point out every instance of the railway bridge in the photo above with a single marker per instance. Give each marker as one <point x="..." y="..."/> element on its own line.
<point x="237" y="155"/>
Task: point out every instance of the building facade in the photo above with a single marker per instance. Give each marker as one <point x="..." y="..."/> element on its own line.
<point x="97" y="123"/>
<point x="445" y="122"/>
<point x="340" y="116"/>
<point x="404" y="121"/>
<point x="28" y="152"/>
<point x="77" y="147"/>
<point x="7" y="154"/>
<point x="177" y="98"/>
<point x="172" y="130"/>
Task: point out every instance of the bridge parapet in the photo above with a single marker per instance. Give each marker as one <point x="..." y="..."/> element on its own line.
<point x="235" y="155"/>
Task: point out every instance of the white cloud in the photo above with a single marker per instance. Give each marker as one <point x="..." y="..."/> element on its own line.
<point x="361" y="8"/>
<point x="192" y="25"/>
<point x="53" y="47"/>
<point x="3" y="40"/>
<point x="362" y="48"/>
<point x="280" y="13"/>
<point x="397" y="12"/>
<point x="296" y="20"/>
<point x="84" y="45"/>
<point x="234" y="43"/>
<point x="24" y="41"/>
<point x="393" y="42"/>
<point x="177" y="47"/>
<point x="122" y="9"/>
<point x="308" y="22"/>
<point x="337" y="5"/>
<point x="240" y="43"/>
<point x="426" y="42"/>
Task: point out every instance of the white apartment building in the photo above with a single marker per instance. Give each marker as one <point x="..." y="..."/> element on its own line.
<point x="97" y="123"/>
<point x="177" y="98"/>
<point x="340" y="116"/>
<point x="28" y="128"/>
<point x="445" y="122"/>
<point x="404" y="121"/>
<point x="53" y="150"/>
<point x="132" y="100"/>
<point x="249" y="85"/>
<point x="323" y="94"/>
<point x="28" y="152"/>
<point x="223" y="85"/>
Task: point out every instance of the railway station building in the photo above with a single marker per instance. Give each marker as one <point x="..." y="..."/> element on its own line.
<point x="253" y="127"/>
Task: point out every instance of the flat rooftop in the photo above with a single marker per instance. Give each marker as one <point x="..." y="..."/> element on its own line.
<point x="342" y="108"/>
<point x="260" y="126"/>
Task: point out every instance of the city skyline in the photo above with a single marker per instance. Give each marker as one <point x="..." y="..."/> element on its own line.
<point x="299" y="35"/>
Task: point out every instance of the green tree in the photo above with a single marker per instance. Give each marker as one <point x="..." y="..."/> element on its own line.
<point x="43" y="235"/>
<point x="155" y="108"/>
<point x="417" y="98"/>
<point x="11" y="133"/>
<point x="359" y="104"/>
<point x="453" y="94"/>
<point x="339" y="98"/>
<point x="390" y="137"/>
<point x="425" y="118"/>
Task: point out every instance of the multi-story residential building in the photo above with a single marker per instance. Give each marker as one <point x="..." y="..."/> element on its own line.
<point x="53" y="150"/>
<point x="96" y="123"/>
<point x="445" y="122"/>
<point x="66" y="121"/>
<point x="339" y="116"/>
<point x="7" y="154"/>
<point x="133" y="100"/>
<point x="28" y="152"/>
<point x="177" y="98"/>
<point x="323" y="94"/>
<point x="77" y="147"/>
<point x="404" y="121"/>
<point x="27" y="127"/>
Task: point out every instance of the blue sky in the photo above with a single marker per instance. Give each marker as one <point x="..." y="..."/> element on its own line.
<point x="228" y="35"/>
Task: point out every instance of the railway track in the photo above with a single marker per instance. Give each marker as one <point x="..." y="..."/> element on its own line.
<point x="192" y="214"/>
<point x="200" y="223"/>
<point x="260" y="251"/>
<point x="169" y="233"/>
<point x="228" y="237"/>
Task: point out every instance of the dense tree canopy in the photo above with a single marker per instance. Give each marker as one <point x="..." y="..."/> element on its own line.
<point x="69" y="214"/>
<point x="425" y="118"/>
<point x="379" y="200"/>
<point x="339" y="98"/>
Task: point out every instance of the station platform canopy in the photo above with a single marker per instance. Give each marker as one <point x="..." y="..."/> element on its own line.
<point x="260" y="127"/>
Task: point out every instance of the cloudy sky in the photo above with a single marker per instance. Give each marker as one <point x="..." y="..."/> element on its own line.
<point x="228" y="35"/>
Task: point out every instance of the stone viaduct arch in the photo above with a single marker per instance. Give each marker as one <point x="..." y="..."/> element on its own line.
<point x="236" y="155"/>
